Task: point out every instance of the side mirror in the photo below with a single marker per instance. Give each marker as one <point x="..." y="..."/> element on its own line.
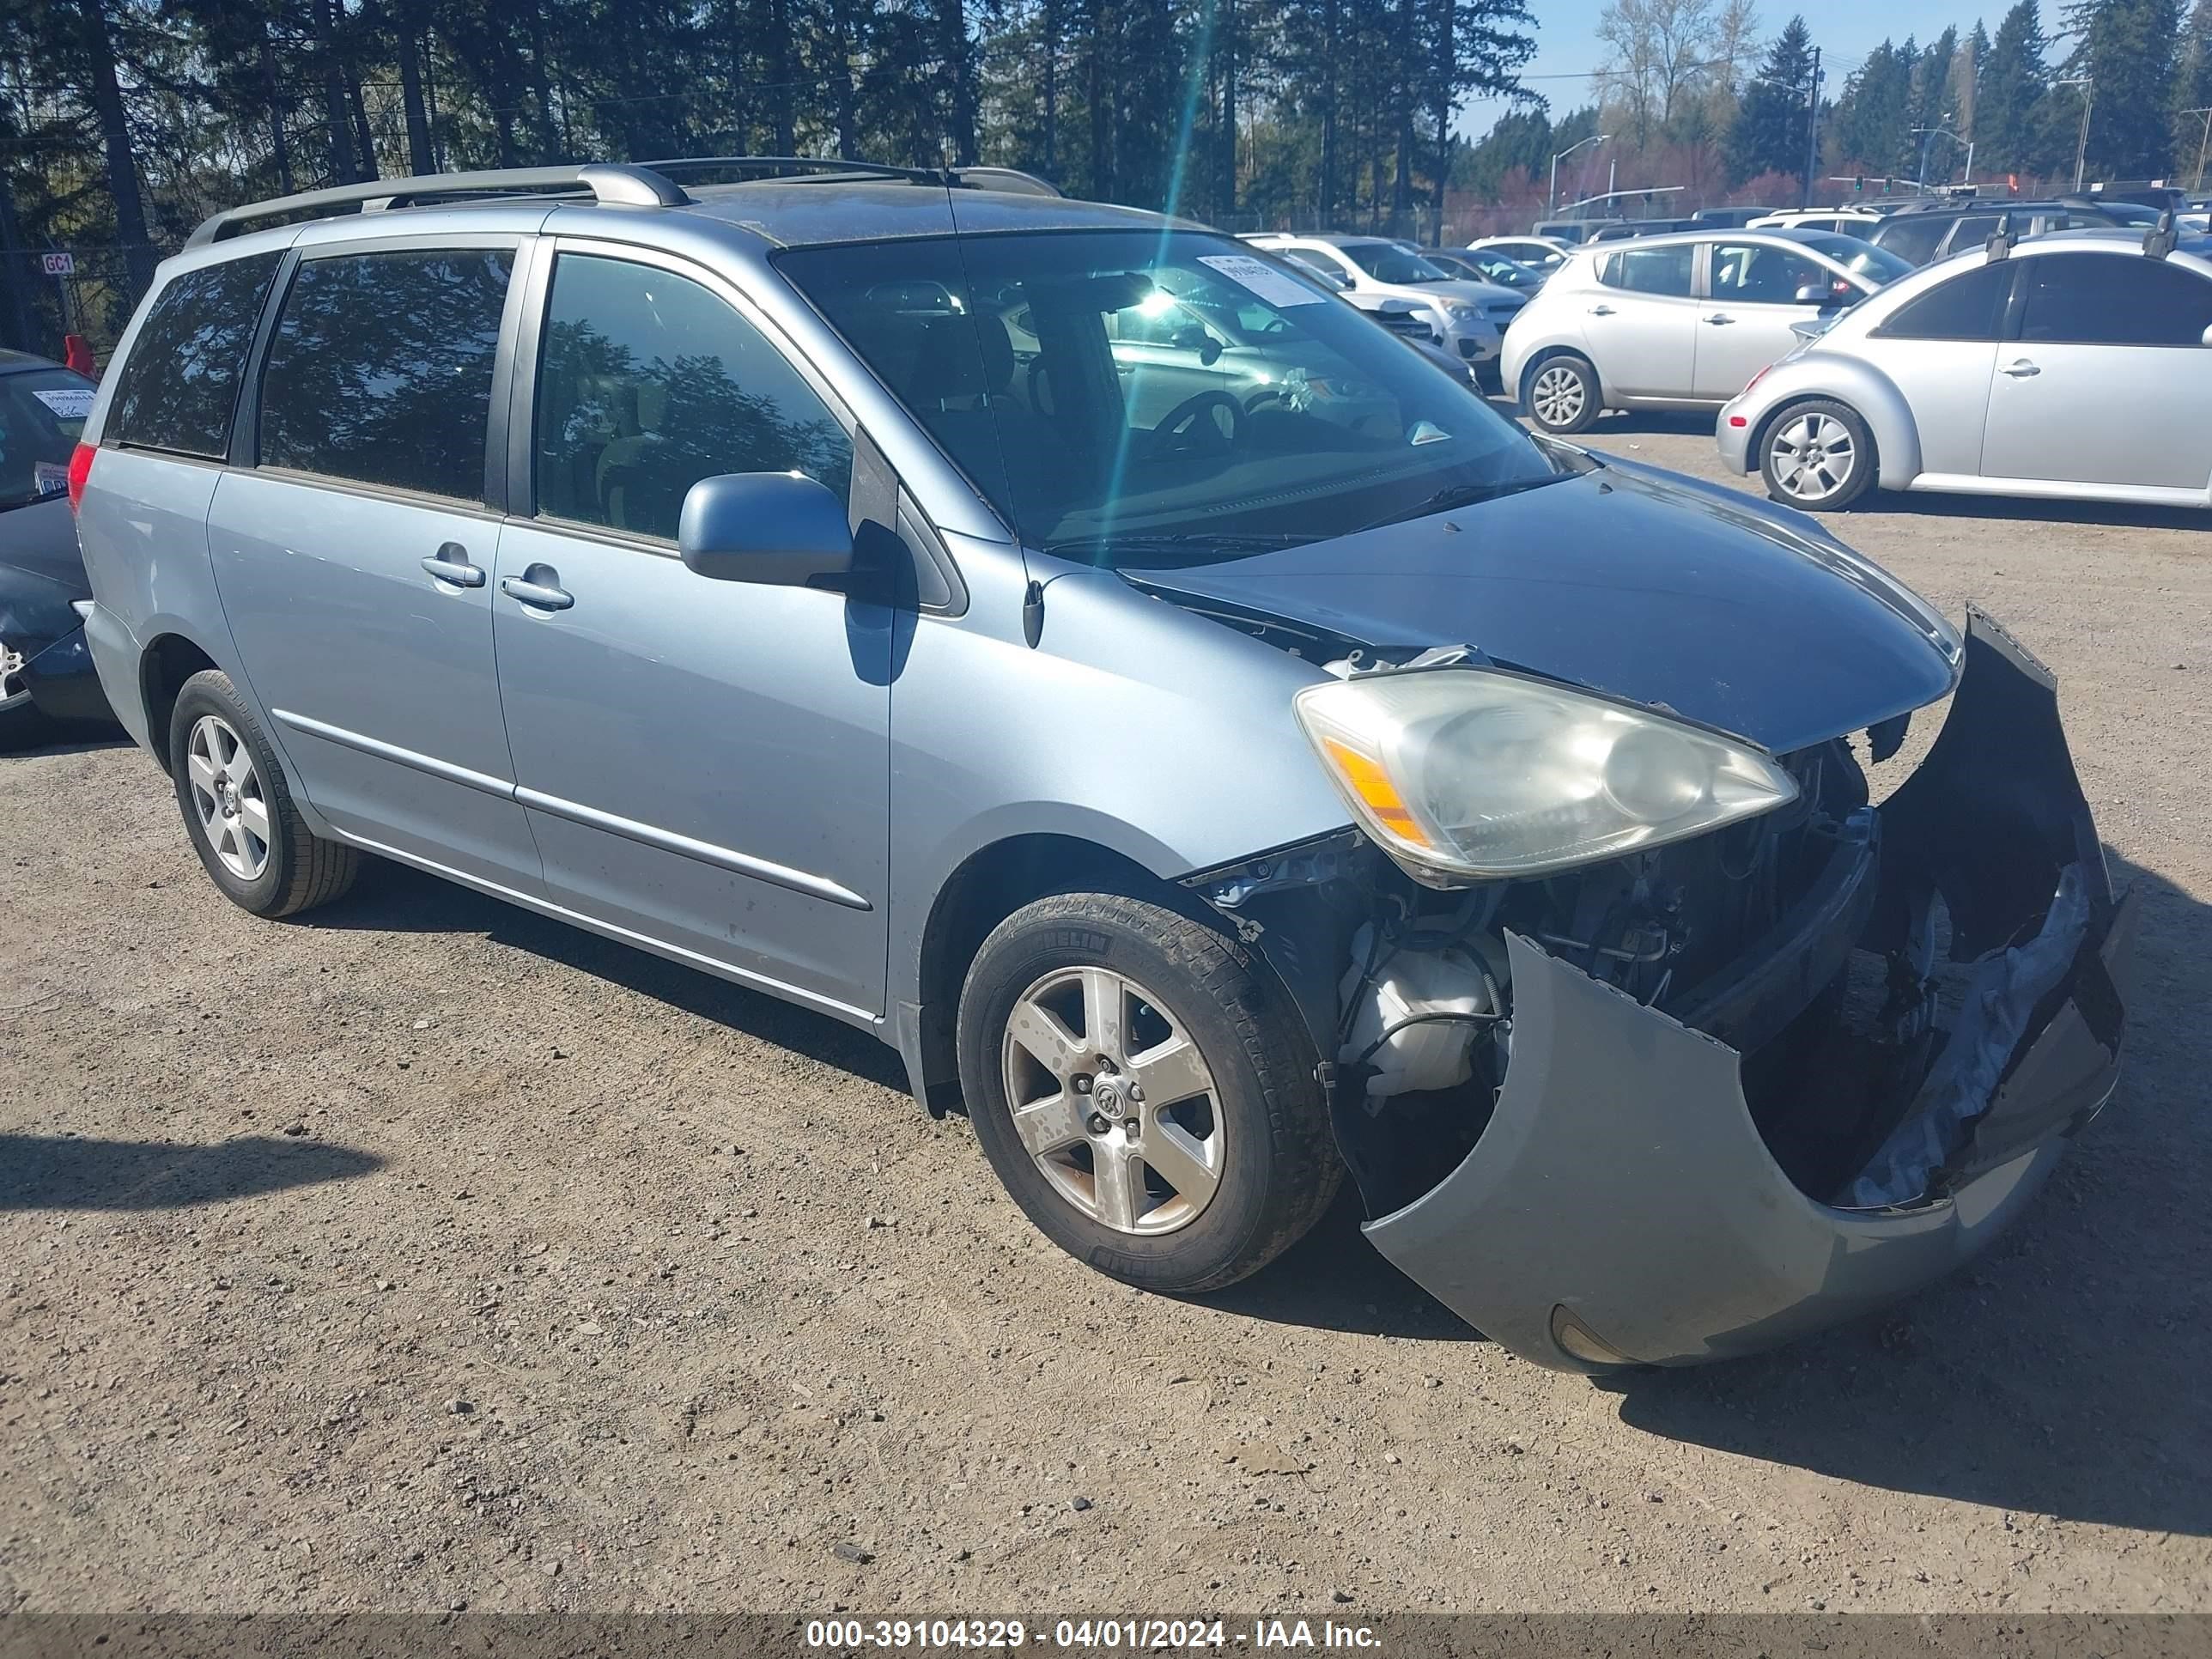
<point x="2207" y="336"/>
<point x="777" y="528"/>
<point x="1812" y="294"/>
<point x="1192" y="338"/>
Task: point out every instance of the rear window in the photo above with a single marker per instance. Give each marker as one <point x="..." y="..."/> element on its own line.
<point x="1912" y="237"/>
<point x="380" y="369"/>
<point x="178" y="387"/>
<point x="42" y="410"/>
<point x="1664" y="270"/>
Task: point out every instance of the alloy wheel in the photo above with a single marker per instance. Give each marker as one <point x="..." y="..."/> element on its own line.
<point x="1111" y="1097"/>
<point x="1813" y="456"/>
<point x="226" y="794"/>
<point x="1557" y="396"/>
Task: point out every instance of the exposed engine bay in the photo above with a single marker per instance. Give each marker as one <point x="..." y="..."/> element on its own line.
<point x="1901" y="1000"/>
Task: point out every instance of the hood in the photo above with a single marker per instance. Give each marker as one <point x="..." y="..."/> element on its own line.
<point x="1638" y="583"/>
<point x="39" y="538"/>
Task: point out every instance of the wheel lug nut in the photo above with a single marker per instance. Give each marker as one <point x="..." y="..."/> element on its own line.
<point x="1134" y="1091"/>
<point x="1082" y="1085"/>
<point x="1130" y="1124"/>
<point x="1097" y="1124"/>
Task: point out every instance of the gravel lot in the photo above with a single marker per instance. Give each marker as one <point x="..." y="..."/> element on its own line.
<point x="423" y="1252"/>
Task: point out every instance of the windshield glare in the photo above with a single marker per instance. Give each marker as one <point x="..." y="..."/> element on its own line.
<point x="1143" y="398"/>
<point x="1386" y="263"/>
<point x="42" y="410"/>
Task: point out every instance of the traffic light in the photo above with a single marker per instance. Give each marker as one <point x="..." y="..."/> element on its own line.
<point x="1858" y="185"/>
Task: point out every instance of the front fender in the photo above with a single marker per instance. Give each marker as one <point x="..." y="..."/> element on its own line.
<point x="1859" y="384"/>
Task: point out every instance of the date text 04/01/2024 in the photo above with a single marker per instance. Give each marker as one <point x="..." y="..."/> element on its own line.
<point x="1079" y="1634"/>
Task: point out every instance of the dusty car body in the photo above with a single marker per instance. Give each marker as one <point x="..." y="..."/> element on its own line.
<point x="1218" y="801"/>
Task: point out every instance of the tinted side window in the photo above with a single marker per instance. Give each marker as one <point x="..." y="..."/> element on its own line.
<point x="1966" y="307"/>
<point x="1973" y="229"/>
<point x="380" y="368"/>
<point x="2114" y="299"/>
<point x="1913" y="238"/>
<point x="1649" y="270"/>
<point x="647" y="383"/>
<point x="179" y="384"/>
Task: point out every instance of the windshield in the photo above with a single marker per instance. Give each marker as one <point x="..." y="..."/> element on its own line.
<point x="1134" y="397"/>
<point x="42" y="410"/>
<point x="1386" y="263"/>
<point x="1877" y="264"/>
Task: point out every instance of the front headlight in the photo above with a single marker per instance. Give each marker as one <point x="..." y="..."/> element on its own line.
<point x="1469" y="775"/>
<point x="1464" y="315"/>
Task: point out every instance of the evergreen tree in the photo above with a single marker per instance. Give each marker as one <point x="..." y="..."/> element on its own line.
<point x="2009" y="131"/>
<point x="2127" y="50"/>
<point x="1873" y="117"/>
<point x="2192" y="98"/>
<point x="1770" y="131"/>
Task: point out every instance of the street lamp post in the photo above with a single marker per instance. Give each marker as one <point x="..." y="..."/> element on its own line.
<point x="1552" y="197"/>
<point x="1930" y="135"/>
<point x="2203" y="144"/>
<point x="2081" y="147"/>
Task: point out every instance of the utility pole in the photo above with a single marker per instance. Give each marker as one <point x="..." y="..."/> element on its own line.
<point x="1812" y="131"/>
<point x="2081" y="149"/>
<point x="2203" y="143"/>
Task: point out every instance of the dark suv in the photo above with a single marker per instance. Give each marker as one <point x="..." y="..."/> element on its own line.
<point x="1926" y="232"/>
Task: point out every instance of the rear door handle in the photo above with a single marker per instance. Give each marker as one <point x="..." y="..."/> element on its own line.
<point x="1601" y="310"/>
<point x="538" y="595"/>
<point x="2020" y="369"/>
<point x="1720" y="317"/>
<point x="450" y="563"/>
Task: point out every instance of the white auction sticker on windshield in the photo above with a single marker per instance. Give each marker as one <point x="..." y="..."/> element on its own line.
<point x="69" y="404"/>
<point x="1262" y="278"/>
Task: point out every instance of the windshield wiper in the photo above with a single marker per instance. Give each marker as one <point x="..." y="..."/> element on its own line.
<point x="1463" y="495"/>
<point x="1076" y="547"/>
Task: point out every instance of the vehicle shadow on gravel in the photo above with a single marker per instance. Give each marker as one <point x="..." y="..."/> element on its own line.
<point x="70" y="1172"/>
<point x="394" y="898"/>
<point x="2063" y="1374"/>
<point x="1333" y="1279"/>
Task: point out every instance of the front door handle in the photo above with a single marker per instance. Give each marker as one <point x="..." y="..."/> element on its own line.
<point x="537" y="587"/>
<point x="2019" y="368"/>
<point x="450" y="563"/>
<point x="1601" y="310"/>
<point x="1720" y="317"/>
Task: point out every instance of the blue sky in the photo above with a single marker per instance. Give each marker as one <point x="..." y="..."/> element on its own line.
<point x="1567" y="44"/>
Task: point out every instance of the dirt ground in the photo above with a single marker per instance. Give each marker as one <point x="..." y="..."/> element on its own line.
<point x="423" y="1252"/>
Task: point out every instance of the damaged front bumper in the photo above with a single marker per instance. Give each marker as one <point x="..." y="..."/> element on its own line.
<point x="1622" y="1206"/>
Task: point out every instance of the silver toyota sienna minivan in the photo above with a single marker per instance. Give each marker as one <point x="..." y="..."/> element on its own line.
<point x="1211" y="744"/>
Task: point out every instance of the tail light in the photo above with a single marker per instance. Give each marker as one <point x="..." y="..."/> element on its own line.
<point x="80" y="473"/>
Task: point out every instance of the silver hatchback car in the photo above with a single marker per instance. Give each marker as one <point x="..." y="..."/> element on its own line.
<point x="1212" y="745"/>
<point x="2074" y="367"/>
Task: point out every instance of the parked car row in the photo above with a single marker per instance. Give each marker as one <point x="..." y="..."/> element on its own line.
<point x="46" y="675"/>
<point x="1070" y="646"/>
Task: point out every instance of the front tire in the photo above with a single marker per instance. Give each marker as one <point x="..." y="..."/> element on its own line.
<point x="238" y="807"/>
<point x="1817" y="455"/>
<point x="1562" y="394"/>
<point x="1143" y="1092"/>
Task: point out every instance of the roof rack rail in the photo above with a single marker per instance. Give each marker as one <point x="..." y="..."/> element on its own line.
<point x="606" y="181"/>
<point x="830" y="166"/>
<point x="635" y="184"/>
<point x="830" y="169"/>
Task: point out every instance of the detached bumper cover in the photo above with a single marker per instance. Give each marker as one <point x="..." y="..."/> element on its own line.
<point x="1621" y="1197"/>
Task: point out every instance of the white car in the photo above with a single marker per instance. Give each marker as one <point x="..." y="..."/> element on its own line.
<point x="1846" y="222"/>
<point x="1543" y="254"/>
<point x="1471" y="316"/>
<point x="1681" y="321"/>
